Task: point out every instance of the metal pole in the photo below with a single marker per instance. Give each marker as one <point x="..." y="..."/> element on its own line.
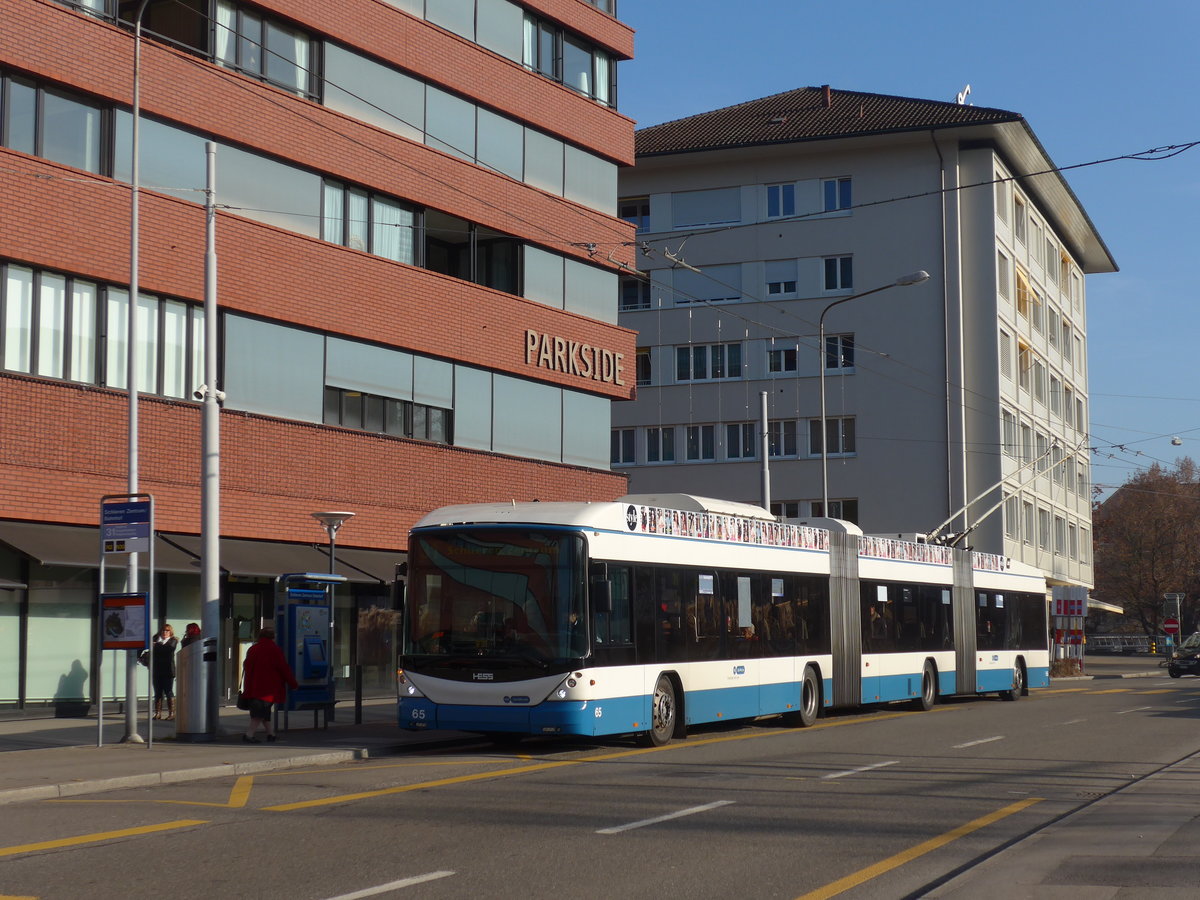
<point x="131" y="732"/>
<point x="210" y="485"/>
<point x="766" y="448"/>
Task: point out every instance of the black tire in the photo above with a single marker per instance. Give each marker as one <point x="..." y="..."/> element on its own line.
<point x="1018" y="687"/>
<point x="929" y="689"/>
<point x="1173" y="672"/>
<point x="810" y="701"/>
<point x="663" y="712"/>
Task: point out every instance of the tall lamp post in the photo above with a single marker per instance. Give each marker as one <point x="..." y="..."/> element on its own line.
<point x="331" y="522"/>
<point x="902" y="281"/>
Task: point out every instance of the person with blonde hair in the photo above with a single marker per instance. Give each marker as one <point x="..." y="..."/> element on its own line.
<point x="164" y="671"/>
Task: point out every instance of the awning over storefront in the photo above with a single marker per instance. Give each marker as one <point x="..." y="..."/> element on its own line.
<point x="71" y="545"/>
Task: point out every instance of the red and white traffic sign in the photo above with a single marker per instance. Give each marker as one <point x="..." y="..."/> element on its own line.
<point x="1170" y="626"/>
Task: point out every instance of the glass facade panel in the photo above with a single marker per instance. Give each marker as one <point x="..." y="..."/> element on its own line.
<point x="173" y="161"/>
<point x="81" y="364"/>
<point x="392" y="228"/>
<point x="20" y="117"/>
<point x="147" y="344"/>
<point x="198" y="337"/>
<point x="372" y="370"/>
<point x="333" y="213"/>
<point x="499" y="27"/>
<point x="433" y="382"/>
<point x="449" y="123"/>
<point x="577" y="66"/>
<point x="269" y="191"/>
<point x="472" y="408"/>
<point x="52" y="318"/>
<point x="585" y="421"/>
<point x="10" y="630"/>
<point x="501" y="144"/>
<point x="18" y="318"/>
<point x="117" y="329"/>
<point x="591" y="291"/>
<point x="543" y="161"/>
<point x="374" y="93"/>
<point x="527" y="418"/>
<point x="543" y="276"/>
<point x="590" y="180"/>
<point x="175" y="350"/>
<point x="358" y="224"/>
<point x="287" y="58"/>
<point x="70" y="132"/>
<point x="453" y="15"/>
<point x="273" y="370"/>
<point x="60" y="635"/>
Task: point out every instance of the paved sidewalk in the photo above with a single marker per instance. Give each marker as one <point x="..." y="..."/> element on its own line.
<point x="46" y="758"/>
<point x="1138" y="843"/>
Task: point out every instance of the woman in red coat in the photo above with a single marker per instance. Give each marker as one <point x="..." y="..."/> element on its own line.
<point x="266" y="676"/>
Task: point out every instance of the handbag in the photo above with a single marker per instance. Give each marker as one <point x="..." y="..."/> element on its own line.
<point x="243" y="700"/>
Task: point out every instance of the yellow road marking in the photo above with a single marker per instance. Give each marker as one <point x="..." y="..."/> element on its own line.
<point x="100" y="836"/>
<point x="1114" y="691"/>
<point x="542" y="767"/>
<point x="1159" y="691"/>
<point x="237" y="796"/>
<point x="359" y="768"/>
<point x="892" y="862"/>
<point x="13" y="897"/>
<point x="1061" y="690"/>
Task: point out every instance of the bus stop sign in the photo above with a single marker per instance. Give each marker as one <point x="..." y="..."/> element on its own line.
<point x="1170" y="626"/>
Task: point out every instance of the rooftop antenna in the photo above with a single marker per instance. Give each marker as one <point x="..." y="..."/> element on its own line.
<point x="961" y="97"/>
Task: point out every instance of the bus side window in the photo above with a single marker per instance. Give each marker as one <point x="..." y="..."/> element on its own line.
<point x="615" y="627"/>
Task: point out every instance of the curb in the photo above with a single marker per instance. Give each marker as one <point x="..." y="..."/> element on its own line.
<point x="178" y="776"/>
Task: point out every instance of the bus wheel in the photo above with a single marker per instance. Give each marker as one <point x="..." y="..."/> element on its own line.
<point x="928" y="689"/>
<point x="810" y="702"/>
<point x="662" y="714"/>
<point x="1018" y="687"/>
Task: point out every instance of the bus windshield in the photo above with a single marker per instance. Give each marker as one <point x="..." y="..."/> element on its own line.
<point x="497" y="593"/>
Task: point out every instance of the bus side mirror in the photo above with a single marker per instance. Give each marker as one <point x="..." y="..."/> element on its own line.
<point x="602" y="595"/>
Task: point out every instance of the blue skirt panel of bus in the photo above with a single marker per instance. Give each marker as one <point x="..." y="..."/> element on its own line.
<point x="615" y="715"/>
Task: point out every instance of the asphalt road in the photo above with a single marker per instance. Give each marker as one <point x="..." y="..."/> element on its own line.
<point x="741" y="811"/>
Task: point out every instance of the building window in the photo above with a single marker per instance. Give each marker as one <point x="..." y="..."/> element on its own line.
<point x="568" y="59"/>
<point x="1053" y="326"/>
<point x="636" y="211"/>
<point x="845" y="509"/>
<point x="1065" y="340"/>
<point x="1056" y="395"/>
<point x="660" y="444"/>
<point x="840" y="432"/>
<point x="781" y="438"/>
<point x="1043" y="529"/>
<point x="781" y="277"/>
<point x="1042" y="448"/>
<point x="1012" y="518"/>
<point x="1026" y="445"/>
<point x="51" y="124"/>
<point x="839" y="273"/>
<point x="66" y="328"/>
<point x="782" y="360"/>
<point x="781" y="200"/>
<point x="835" y="193"/>
<point x="1028" y="529"/>
<point x="786" y="509"/>
<point x="740" y="439"/>
<point x="635" y="293"/>
<point x="1001" y="197"/>
<point x="1019" y="217"/>
<point x="714" y="206"/>
<point x="701" y="444"/>
<point x="708" y="362"/>
<point x="261" y="47"/>
<point x="839" y="352"/>
<point x="1006" y="366"/>
<point x="1009" y="424"/>
<point x="644" y="370"/>
<point x="1052" y="261"/>
<point x="1024" y="363"/>
<point x="622" y="446"/>
<point x="1039" y="381"/>
<point x="1022" y="293"/>
<point x="1073" y="541"/>
<point x="369" y="222"/>
<point x="1003" y="275"/>
<point x="387" y="415"/>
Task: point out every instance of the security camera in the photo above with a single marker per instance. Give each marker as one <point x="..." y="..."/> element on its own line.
<point x="199" y="392"/>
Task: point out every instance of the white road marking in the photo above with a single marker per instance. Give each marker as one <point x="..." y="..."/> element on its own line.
<point x="998" y="737"/>
<point x="834" y="775"/>
<point x="675" y="815"/>
<point x="1074" y="722"/>
<point x="1188" y="700"/>
<point x="1135" y="709"/>
<point x="392" y="886"/>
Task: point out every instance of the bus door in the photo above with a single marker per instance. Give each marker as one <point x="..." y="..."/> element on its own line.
<point x="612" y="627"/>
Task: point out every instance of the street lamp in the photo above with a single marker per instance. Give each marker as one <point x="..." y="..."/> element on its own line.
<point x="331" y="522"/>
<point x="902" y="281"/>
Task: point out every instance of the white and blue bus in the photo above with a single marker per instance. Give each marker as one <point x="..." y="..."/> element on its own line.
<point x="653" y="613"/>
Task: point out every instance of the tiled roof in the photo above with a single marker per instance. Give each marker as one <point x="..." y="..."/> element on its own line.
<point x="807" y="114"/>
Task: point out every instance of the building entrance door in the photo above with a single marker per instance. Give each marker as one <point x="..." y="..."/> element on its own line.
<point x="248" y="607"/>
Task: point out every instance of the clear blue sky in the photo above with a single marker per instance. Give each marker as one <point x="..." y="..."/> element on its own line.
<point x="1094" y="80"/>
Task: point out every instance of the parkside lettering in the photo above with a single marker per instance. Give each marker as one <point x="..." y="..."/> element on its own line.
<point x="558" y="354"/>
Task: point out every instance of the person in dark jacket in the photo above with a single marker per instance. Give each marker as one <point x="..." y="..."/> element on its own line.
<point x="164" y="671"/>
<point x="190" y="634"/>
<point x="267" y="676"/>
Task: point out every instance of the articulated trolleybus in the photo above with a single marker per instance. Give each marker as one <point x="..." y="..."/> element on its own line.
<point x="653" y="613"/>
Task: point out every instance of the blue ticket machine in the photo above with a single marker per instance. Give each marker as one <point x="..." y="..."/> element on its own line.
<point x="304" y="626"/>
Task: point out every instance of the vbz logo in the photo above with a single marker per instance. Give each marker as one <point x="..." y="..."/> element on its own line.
<point x="739" y="670"/>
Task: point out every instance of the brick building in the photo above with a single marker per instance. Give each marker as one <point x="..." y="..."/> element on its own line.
<point x="417" y="279"/>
